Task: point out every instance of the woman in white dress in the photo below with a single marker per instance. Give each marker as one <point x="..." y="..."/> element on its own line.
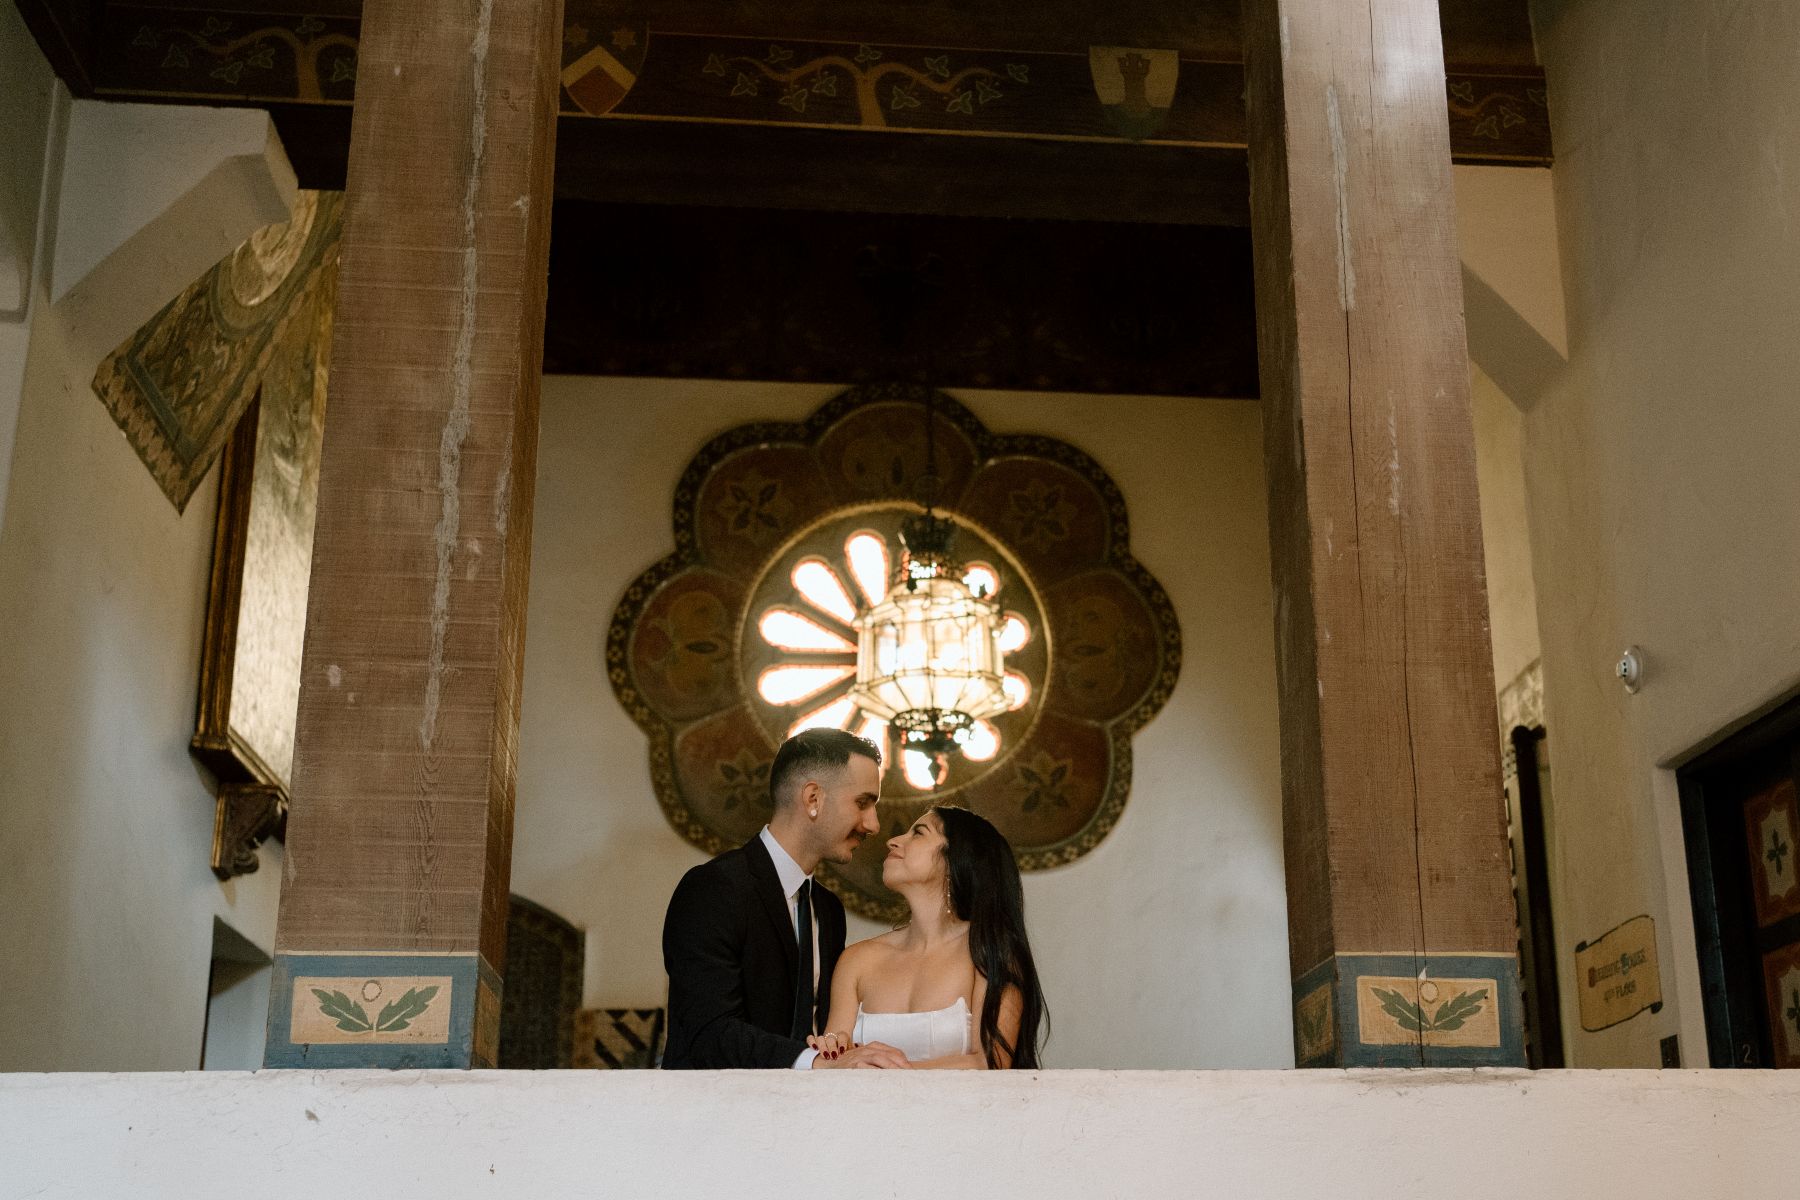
<point x="955" y="987"/>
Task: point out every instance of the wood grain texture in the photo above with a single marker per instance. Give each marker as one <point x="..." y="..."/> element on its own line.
<point x="400" y="838"/>
<point x="1394" y="817"/>
<point x="211" y="743"/>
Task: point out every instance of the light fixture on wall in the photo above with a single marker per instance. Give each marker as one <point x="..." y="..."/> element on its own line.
<point x="1630" y="669"/>
<point x="929" y="659"/>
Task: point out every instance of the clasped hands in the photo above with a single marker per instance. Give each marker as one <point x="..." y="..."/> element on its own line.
<point x="836" y="1050"/>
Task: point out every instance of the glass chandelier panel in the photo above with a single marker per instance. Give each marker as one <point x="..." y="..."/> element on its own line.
<point x="929" y="659"/>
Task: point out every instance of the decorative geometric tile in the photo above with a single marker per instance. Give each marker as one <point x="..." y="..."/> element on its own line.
<point x="1313" y="1032"/>
<point x="619" y="1038"/>
<point x="1773" y="835"/>
<point x="544" y="957"/>
<point x="1781" y="973"/>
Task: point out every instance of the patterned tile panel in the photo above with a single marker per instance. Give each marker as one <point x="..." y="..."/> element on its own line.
<point x="1773" y="833"/>
<point x="376" y="1010"/>
<point x="619" y="1038"/>
<point x="1406" y="1010"/>
<point x="1781" y="975"/>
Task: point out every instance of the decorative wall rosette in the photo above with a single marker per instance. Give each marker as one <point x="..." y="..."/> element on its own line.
<point x="687" y="645"/>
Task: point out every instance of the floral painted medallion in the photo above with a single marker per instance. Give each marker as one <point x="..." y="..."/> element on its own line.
<point x="784" y="537"/>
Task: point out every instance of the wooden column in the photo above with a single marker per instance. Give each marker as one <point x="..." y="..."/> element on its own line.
<point x="393" y="908"/>
<point x="1401" y="929"/>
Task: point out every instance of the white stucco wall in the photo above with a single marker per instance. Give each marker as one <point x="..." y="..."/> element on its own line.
<point x="36" y="108"/>
<point x="781" y="1135"/>
<point x="1663" y="499"/>
<point x="1165" y="947"/>
<point x="105" y="825"/>
<point x="1518" y="338"/>
<point x="206" y="174"/>
<point x="29" y="92"/>
<point x="1505" y="530"/>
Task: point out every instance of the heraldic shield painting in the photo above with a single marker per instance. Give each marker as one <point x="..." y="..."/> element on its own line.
<point x="787" y="538"/>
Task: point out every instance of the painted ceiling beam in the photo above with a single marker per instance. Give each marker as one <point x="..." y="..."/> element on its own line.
<point x="841" y="108"/>
<point x="1490" y="33"/>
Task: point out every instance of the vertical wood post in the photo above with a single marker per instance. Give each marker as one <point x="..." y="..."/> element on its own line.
<point x="393" y="908"/>
<point x="1403" y="950"/>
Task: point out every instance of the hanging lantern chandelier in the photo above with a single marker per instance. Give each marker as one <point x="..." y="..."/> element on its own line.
<point x="929" y="660"/>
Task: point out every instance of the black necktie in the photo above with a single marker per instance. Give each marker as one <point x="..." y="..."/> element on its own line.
<point x="803" y="978"/>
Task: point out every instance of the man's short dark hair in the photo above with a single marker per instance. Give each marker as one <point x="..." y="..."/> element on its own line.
<point x="814" y="750"/>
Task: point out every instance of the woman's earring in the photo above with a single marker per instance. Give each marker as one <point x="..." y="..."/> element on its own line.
<point x="949" y="908"/>
<point x="813" y="812"/>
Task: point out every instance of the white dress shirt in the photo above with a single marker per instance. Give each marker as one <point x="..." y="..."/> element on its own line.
<point x="791" y="877"/>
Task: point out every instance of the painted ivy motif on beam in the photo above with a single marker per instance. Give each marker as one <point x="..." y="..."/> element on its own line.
<point x="1451" y="1014"/>
<point x="352" y="1017"/>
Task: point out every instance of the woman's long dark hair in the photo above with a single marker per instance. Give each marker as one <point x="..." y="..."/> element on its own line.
<point x="985" y="892"/>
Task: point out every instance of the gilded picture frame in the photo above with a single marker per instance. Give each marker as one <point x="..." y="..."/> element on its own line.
<point x="256" y="595"/>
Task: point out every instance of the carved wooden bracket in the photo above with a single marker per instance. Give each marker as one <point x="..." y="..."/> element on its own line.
<point x="246" y="815"/>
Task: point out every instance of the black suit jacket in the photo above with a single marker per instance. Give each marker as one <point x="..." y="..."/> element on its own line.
<point x="729" y="948"/>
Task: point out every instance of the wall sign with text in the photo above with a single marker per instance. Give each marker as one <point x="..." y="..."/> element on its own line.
<point x="1616" y="975"/>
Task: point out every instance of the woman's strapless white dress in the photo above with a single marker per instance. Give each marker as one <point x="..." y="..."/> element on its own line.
<point x="919" y="1036"/>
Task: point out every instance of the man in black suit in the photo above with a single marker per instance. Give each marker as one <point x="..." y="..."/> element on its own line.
<point x="750" y="941"/>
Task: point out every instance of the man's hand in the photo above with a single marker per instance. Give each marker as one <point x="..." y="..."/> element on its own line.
<point x="869" y="1054"/>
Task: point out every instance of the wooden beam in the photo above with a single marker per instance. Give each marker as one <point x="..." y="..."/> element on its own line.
<point x="1175" y="323"/>
<point x="1402" y="935"/>
<point x="391" y="934"/>
<point x="1110" y="309"/>
<point x="1086" y="77"/>
<point x="831" y="170"/>
<point x="826" y="170"/>
<point x="1489" y="32"/>
<point x="65" y="32"/>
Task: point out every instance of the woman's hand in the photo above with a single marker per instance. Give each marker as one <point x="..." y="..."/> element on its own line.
<point x="868" y="1055"/>
<point x="829" y="1045"/>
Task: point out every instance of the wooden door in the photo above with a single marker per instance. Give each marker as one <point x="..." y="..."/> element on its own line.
<point x="1741" y="809"/>
<point x="1530" y="784"/>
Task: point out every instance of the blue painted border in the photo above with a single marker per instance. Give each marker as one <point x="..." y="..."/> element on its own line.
<point x="1353" y="1053"/>
<point x="465" y="970"/>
